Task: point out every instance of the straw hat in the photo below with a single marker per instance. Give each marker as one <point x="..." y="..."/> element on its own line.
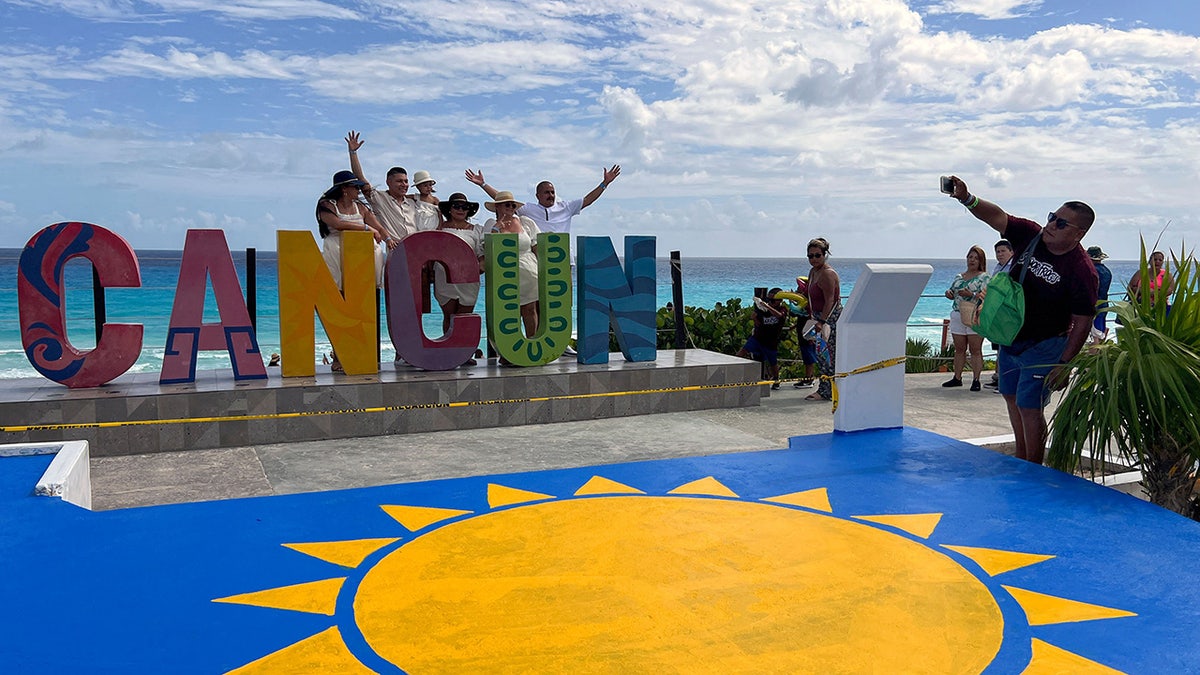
<point x="422" y="177"/>
<point x="502" y="197"/>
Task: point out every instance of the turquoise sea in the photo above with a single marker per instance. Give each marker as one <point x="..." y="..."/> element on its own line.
<point x="706" y="281"/>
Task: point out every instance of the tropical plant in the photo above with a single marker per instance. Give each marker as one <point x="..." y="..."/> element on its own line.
<point x="1139" y="396"/>
<point x="919" y="355"/>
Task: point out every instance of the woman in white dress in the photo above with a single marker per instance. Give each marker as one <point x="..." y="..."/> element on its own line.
<point x="339" y="210"/>
<point x="507" y="221"/>
<point x="458" y="298"/>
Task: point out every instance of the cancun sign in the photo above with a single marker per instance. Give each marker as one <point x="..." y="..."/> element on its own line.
<point x="609" y="295"/>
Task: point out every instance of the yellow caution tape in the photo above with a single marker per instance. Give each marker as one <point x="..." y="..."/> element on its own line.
<point x="390" y="408"/>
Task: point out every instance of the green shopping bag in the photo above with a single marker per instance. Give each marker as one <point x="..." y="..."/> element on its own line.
<point x="1002" y="312"/>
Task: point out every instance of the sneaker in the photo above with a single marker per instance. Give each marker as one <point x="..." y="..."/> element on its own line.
<point x="570" y="351"/>
<point x="952" y="382"/>
<point x="802" y="384"/>
<point x="975" y="385"/>
<point x="775" y="387"/>
<point x="991" y="384"/>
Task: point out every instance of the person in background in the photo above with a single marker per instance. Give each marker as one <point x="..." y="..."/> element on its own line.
<point x="458" y="298"/>
<point x="1157" y="280"/>
<point x="808" y="350"/>
<point x="966" y="288"/>
<point x="824" y="306"/>
<point x="1004" y="256"/>
<point x="1100" y="325"/>
<point x="763" y="343"/>
<point x="1060" y="289"/>
<point x="508" y="222"/>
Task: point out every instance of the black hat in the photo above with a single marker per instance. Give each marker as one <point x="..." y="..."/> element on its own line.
<point x="458" y="198"/>
<point x="1096" y="253"/>
<point x="346" y="178"/>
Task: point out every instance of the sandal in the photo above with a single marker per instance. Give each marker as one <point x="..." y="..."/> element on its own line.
<point x="814" y="397"/>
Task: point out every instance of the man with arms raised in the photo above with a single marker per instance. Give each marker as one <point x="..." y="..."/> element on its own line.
<point x="395" y="211"/>
<point x="1060" y="300"/>
<point x="549" y="213"/>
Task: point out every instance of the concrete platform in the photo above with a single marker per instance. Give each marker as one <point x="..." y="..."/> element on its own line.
<point x="135" y="414"/>
<point x="287" y="468"/>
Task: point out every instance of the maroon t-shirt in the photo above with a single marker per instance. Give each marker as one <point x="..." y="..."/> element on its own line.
<point x="1056" y="286"/>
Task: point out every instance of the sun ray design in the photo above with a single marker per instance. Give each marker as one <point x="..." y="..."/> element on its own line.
<point x="499" y="495"/>
<point x="598" y="485"/>
<point x="995" y="562"/>
<point x="313" y="597"/>
<point x="417" y="517"/>
<point x="705" y="486"/>
<point x="817" y="499"/>
<point x="920" y="524"/>
<point x="345" y="553"/>
<point x="1042" y="609"/>
<point x="411" y="604"/>
<point x="1050" y="660"/>
<point x="324" y="652"/>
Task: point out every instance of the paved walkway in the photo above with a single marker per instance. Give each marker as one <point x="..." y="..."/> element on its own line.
<point x="286" y="468"/>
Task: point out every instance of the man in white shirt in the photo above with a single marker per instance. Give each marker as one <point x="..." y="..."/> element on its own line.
<point x="550" y="213"/>
<point x="395" y="211"/>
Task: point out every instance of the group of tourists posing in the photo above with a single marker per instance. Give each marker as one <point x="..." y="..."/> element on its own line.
<point x="395" y="213"/>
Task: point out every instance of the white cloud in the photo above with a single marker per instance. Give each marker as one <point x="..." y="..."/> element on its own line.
<point x="988" y="9"/>
<point x="127" y="10"/>
<point x="778" y="117"/>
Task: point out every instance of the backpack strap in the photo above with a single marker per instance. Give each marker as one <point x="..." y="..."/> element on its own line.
<point x="1023" y="261"/>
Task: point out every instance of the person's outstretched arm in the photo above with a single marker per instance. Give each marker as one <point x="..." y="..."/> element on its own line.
<point x="609" y="176"/>
<point x="476" y="177"/>
<point x="353" y="143"/>
<point x="986" y="211"/>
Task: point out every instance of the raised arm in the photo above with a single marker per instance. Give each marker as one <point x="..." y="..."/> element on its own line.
<point x="476" y="177"/>
<point x="353" y="143"/>
<point x="986" y="211"/>
<point x="609" y="176"/>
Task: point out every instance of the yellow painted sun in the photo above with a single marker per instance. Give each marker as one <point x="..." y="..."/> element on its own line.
<point x="697" y="580"/>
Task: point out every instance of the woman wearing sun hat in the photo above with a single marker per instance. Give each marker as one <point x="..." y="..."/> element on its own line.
<point x="428" y="216"/>
<point x="339" y="210"/>
<point x="507" y="221"/>
<point x="458" y="298"/>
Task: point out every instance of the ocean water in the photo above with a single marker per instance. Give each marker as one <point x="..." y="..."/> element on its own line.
<point x="706" y="281"/>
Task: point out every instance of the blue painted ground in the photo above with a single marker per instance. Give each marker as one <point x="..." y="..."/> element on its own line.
<point x="131" y="590"/>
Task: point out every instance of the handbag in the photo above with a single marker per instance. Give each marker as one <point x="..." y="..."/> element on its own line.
<point x="967" y="312"/>
<point x="1002" y="304"/>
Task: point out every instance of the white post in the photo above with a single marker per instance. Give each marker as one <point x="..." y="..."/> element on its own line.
<point x="872" y="329"/>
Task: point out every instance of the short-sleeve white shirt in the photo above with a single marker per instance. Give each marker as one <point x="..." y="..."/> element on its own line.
<point x="557" y="218"/>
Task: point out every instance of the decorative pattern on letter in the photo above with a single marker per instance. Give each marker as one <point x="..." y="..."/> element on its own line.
<point x="554" y="298"/>
<point x="623" y="299"/>
<point x="40" y="294"/>
<point x="305" y="286"/>
<point x="206" y="254"/>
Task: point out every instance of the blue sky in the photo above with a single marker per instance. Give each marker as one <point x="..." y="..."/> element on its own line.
<point x="742" y="129"/>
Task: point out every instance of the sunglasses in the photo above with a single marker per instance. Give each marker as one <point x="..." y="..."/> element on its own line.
<point x="1058" y="222"/>
<point x="815" y="255"/>
<point x="460" y="205"/>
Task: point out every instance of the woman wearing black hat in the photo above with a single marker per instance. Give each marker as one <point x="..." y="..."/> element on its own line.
<point x="458" y="298"/>
<point x="339" y="211"/>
